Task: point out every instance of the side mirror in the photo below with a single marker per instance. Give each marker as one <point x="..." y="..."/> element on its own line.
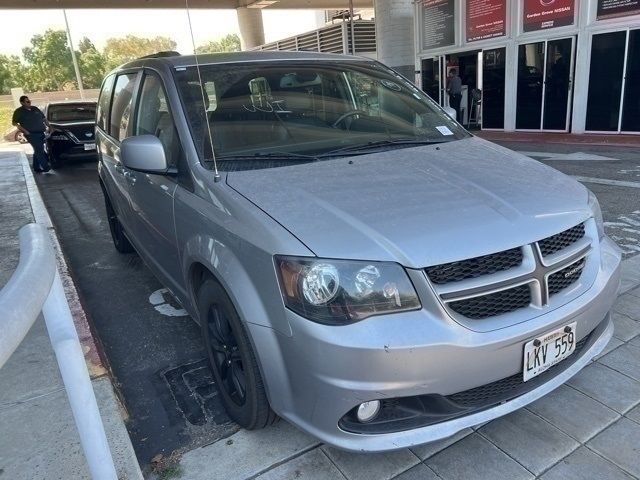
<point x="144" y="153"/>
<point x="451" y="112"/>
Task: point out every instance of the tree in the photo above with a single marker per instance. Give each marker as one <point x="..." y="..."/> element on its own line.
<point x="49" y="65"/>
<point x="92" y="63"/>
<point x="11" y="72"/>
<point x="121" y="50"/>
<point x="228" y="43"/>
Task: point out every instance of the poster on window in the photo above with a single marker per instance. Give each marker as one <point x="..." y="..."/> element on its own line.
<point x="437" y="23"/>
<point x="486" y="19"/>
<point x="617" y="8"/>
<point x="543" y="14"/>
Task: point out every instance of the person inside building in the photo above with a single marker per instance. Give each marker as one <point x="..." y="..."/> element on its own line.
<point x="454" y="87"/>
<point x="32" y="122"/>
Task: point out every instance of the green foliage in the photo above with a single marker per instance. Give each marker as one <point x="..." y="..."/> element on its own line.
<point x="49" y="65"/>
<point x="10" y="73"/>
<point x="121" y="50"/>
<point x="92" y="64"/>
<point x="228" y="43"/>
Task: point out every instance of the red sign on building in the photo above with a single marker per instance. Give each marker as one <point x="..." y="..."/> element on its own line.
<point x="543" y="14"/>
<point x="486" y="19"/>
<point x="617" y="8"/>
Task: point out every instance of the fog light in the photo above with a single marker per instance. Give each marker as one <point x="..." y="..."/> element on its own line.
<point x="368" y="410"/>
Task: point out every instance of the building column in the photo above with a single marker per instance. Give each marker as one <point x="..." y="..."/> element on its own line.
<point x="395" y="35"/>
<point x="251" y="28"/>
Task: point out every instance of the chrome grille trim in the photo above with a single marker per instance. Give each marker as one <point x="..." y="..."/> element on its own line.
<point x="535" y="270"/>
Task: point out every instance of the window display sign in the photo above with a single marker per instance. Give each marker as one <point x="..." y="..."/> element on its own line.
<point x="486" y="19"/>
<point x="617" y="8"/>
<point x="437" y="23"/>
<point x="543" y="14"/>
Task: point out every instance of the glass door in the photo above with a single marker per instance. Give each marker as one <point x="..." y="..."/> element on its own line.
<point x="545" y="84"/>
<point x="631" y="100"/>
<point x="493" y="79"/>
<point x="613" y="105"/>
<point x="431" y="78"/>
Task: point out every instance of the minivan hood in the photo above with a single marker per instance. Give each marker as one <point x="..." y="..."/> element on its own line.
<point x="418" y="206"/>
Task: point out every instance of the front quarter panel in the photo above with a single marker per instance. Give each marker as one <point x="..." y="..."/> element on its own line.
<point x="235" y="241"/>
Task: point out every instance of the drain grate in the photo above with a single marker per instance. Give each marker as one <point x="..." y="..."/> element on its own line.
<point x="195" y="393"/>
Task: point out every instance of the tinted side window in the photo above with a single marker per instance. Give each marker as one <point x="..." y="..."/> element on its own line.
<point x="154" y="118"/>
<point x="103" y="103"/>
<point x="121" y="106"/>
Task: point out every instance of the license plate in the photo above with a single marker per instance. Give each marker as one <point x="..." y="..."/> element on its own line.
<point x="89" y="146"/>
<point x="544" y="352"/>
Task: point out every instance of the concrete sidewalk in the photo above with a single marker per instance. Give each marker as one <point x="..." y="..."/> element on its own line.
<point x="38" y="437"/>
<point x="560" y="138"/>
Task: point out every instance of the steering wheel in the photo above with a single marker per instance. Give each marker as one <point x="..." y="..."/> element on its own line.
<point x="346" y="115"/>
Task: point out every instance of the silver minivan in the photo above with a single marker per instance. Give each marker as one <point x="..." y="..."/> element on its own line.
<point x="359" y="264"/>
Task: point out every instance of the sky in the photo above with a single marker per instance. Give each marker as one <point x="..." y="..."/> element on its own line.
<point x="18" y="26"/>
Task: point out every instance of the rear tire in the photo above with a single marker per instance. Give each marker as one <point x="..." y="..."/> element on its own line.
<point x="120" y="240"/>
<point x="232" y="360"/>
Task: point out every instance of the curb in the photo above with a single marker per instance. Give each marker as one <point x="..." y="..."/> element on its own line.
<point x="99" y="374"/>
<point x="92" y="356"/>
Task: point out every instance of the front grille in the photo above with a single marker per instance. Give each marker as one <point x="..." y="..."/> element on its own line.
<point x="560" y="280"/>
<point x="475" y="267"/>
<point x="493" y="304"/>
<point x="501" y="388"/>
<point x="562" y="240"/>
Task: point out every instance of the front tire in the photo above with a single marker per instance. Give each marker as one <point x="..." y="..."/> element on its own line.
<point x="120" y="240"/>
<point x="232" y="360"/>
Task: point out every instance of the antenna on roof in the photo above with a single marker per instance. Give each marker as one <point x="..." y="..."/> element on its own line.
<point x="216" y="177"/>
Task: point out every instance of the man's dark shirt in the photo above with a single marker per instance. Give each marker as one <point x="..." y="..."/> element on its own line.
<point x="32" y="120"/>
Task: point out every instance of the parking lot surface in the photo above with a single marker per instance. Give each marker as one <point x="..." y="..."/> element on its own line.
<point x="589" y="428"/>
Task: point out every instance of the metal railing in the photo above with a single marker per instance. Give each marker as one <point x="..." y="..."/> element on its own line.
<point x="36" y="287"/>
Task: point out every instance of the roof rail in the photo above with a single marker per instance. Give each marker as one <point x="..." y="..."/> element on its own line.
<point x="167" y="53"/>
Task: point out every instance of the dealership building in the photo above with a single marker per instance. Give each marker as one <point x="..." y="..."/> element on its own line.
<point x="534" y="65"/>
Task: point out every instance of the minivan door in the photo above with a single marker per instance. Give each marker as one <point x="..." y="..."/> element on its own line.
<point x="114" y="112"/>
<point x="152" y="194"/>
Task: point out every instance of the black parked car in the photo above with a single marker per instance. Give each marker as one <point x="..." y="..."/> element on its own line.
<point x="72" y="131"/>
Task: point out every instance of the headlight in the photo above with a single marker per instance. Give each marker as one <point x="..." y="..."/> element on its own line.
<point x="337" y="292"/>
<point x="594" y="205"/>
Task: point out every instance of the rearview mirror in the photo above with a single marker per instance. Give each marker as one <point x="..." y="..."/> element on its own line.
<point x="144" y="153"/>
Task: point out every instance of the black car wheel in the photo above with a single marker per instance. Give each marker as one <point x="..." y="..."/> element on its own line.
<point x="120" y="240"/>
<point x="232" y="360"/>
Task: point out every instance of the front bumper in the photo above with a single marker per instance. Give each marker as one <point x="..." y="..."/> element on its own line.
<point x="319" y="373"/>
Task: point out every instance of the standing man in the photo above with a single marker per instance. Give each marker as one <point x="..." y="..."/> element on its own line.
<point x="454" y="88"/>
<point x="32" y="122"/>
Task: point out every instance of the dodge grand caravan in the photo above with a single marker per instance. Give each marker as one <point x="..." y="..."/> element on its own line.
<point x="359" y="264"/>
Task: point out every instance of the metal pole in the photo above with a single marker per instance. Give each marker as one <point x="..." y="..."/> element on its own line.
<point x="353" y="32"/>
<point x="73" y="56"/>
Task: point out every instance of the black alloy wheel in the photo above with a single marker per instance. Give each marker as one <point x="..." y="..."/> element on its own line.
<point x="225" y="355"/>
<point x="231" y="359"/>
<point x="120" y="240"/>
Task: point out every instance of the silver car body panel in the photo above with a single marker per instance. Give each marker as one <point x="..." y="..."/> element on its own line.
<point x="417" y="207"/>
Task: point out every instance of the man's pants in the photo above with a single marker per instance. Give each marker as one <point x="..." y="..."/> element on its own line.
<point x="454" y="102"/>
<point x="40" y="158"/>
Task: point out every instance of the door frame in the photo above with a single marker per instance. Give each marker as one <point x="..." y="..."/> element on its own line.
<point x="627" y="31"/>
<point x="572" y="64"/>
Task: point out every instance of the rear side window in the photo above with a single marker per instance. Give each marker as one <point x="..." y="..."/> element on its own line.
<point x="103" y="103"/>
<point x="154" y="118"/>
<point x="121" y="105"/>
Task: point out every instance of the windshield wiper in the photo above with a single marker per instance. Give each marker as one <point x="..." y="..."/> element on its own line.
<point x="300" y="157"/>
<point x="366" y="147"/>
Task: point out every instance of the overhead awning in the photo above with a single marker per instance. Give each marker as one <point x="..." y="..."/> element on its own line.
<point x="217" y="4"/>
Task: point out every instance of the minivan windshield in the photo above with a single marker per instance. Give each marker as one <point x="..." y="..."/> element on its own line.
<point x="263" y="113"/>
